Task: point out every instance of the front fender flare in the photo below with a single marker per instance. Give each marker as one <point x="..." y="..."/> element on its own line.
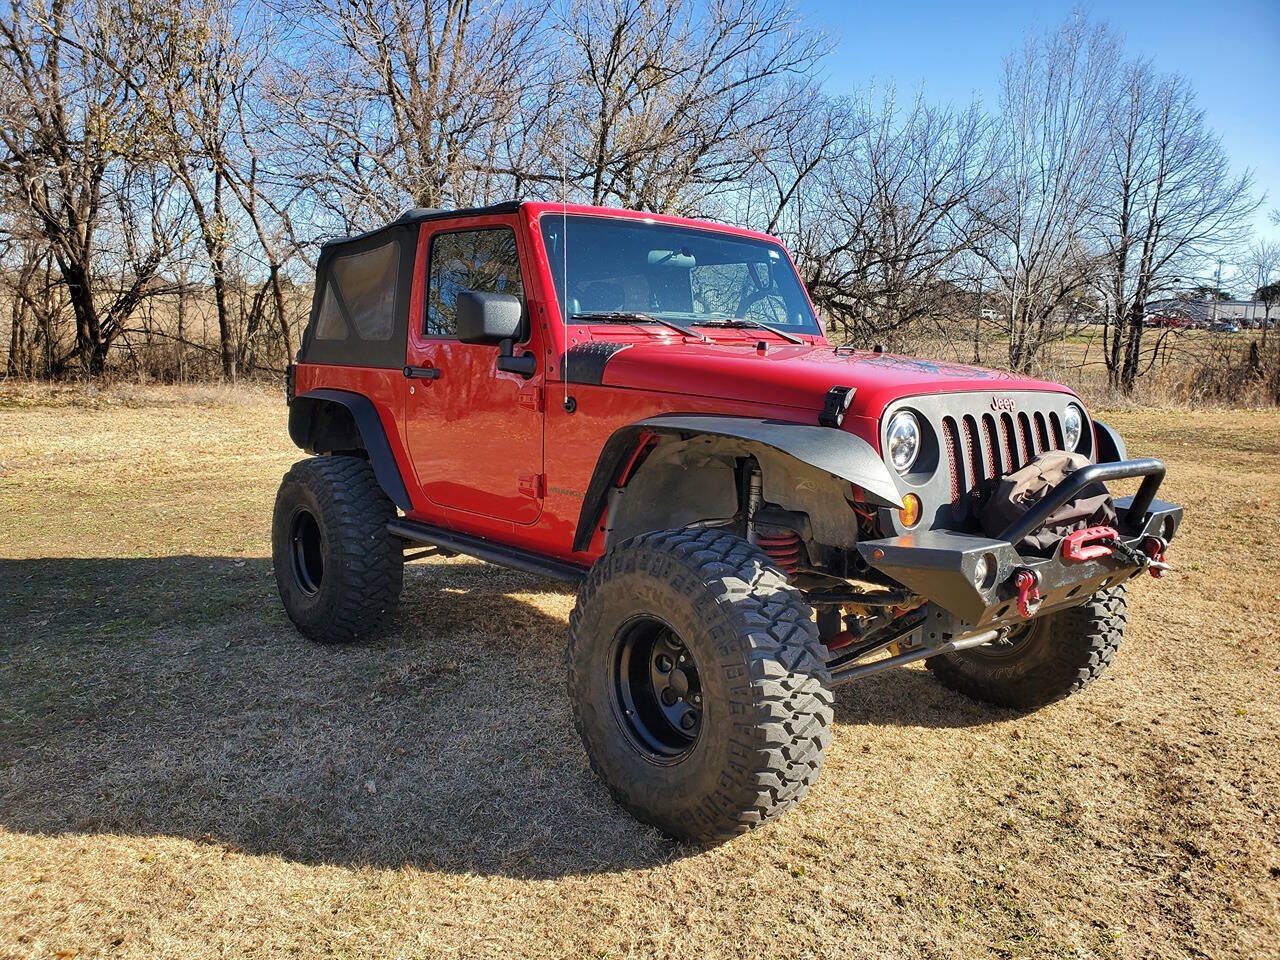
<point x="1111" y="448"/>
<point x="836" y="452"/>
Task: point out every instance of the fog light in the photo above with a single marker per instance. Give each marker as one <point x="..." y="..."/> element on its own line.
<point x="909" y="515"/>
<point x="984" y="571"/>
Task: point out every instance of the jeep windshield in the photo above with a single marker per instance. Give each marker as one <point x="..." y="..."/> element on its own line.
<point x="678" y="276"/>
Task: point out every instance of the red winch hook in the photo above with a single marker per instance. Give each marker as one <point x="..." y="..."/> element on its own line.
<point x="1092" y="543"/>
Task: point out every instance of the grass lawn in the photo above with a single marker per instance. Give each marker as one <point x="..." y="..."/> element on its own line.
<point x="182" y="775"/>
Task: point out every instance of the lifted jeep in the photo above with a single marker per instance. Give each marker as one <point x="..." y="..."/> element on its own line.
<point x="649" y="406"/>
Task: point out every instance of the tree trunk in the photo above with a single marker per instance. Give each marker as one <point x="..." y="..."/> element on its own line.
<point x="17" y="338"/>
<point x="225" y="345"/>
<point x="182" y="326"/>
<point x="1132" y="349"/>
<point x="90" y="351"/>
<point x="277" y="293"/>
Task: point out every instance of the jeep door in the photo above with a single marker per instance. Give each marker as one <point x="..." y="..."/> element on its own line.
<point x="473" y="432"/>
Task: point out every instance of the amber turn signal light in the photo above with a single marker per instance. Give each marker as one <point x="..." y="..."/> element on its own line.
<point x="909" y="514"/>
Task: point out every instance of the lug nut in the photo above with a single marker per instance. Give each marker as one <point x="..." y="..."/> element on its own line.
<point x="669" y="697"/>
<point x="688" y="720"/>
<point x="664" y="663"/>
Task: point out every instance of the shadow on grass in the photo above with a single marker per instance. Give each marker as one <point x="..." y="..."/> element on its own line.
<point x="172" y="696"/>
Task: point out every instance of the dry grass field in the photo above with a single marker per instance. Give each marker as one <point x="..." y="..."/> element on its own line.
<point x="182" y="775"/>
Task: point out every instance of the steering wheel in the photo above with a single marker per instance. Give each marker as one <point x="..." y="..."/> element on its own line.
<point x="754" y="297"/>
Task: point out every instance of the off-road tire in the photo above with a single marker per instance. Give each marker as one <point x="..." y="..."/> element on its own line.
<point x="766" y="704"/>
<point x="1063" y="653"/>
<point x="360" y="565"/>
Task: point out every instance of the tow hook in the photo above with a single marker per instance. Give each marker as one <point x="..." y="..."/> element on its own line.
<point x="1027" y="583"/>
<point x="1092" y="543"/>
<point x="1154" y="548"/>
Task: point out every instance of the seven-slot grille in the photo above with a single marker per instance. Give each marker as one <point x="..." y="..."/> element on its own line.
<point x="979" y="446"/>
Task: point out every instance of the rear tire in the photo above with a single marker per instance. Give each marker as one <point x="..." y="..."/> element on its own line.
<point x="338" y="570"/>
<point x="1060" y="654"/>
<point x="698" y="683"/>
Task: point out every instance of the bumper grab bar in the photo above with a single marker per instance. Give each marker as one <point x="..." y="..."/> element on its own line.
<point x="1150" y="469"/>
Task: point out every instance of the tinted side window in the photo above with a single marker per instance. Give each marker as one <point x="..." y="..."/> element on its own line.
<point x="360" y="309"/>
<point x="481" y="260"/>
<point x="367" y="282"/>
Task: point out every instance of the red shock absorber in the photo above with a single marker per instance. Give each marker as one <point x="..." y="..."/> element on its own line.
<point x="782" y="547"/>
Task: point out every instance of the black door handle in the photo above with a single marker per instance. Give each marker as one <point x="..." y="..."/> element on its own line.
<point x="422" y="373"/>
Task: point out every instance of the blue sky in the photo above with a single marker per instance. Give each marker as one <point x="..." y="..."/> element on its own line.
<point x="1229" y="50"/>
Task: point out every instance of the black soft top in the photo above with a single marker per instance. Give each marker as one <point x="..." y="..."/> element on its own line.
<point x="416" y="215"/>
<point x="360" y="311"/>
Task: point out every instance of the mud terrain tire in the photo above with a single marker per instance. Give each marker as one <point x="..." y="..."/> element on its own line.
<point x="338" y="570"/>
<point x="754" y="674"/>
<point x="1061" y="654"/>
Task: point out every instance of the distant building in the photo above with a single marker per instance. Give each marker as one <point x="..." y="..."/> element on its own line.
<point x="1200" y="310"/>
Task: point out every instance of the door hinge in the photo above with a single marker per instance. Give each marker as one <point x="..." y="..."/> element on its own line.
<point x="534" y="485"/>
<point x="531" y="399"/>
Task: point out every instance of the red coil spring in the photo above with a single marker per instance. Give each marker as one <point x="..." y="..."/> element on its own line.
<point x="782" y="548"/>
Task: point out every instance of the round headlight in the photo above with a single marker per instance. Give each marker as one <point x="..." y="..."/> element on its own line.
<point x="903" y="440"/>
<point x="1072" y="426"/>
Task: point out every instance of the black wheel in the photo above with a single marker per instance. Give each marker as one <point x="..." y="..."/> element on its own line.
<point x="1044" y="660"/>
<point x="338" y="570"/>
<point x="698" y="683"/>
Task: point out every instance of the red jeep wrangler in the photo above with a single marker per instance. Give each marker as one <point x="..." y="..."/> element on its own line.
<point x="649" y="406"/>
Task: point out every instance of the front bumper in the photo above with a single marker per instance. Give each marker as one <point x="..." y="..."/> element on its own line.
<point x="942" y="565"/>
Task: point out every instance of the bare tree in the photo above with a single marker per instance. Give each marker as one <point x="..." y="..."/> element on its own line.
<point x="73" y="136"/>
<point x="402" y="101"/>
<point x="669" y="101"/>
<point x="885" y="211"/>
<point x="1052" y="131"/>
<point x="1168" y="202"/>
<point x="1259" y="270"/>
<point x="200" y="67"/>
<point x="789" y="171"/>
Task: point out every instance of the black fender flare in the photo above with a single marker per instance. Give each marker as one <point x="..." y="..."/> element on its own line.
<point x="373" y="436"/>
<point x="1111" y="448"/>
<point x="832" y="451"/>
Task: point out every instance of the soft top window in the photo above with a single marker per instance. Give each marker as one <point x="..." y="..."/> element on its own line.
<point x="367" y="282"/>
<point x="330" y="324"/>
<point x="360" y="312"/>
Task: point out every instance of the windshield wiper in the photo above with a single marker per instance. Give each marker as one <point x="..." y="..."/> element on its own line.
<point x="619" y="316"/>
<point x="748" y="322"/>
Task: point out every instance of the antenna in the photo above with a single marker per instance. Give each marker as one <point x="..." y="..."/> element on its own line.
<point x="569" y="405"/>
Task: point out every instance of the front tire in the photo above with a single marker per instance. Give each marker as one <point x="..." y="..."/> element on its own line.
<point x="698" y="683"/>
<point x="1053" y="657"/>
<point x="338" y="570"/>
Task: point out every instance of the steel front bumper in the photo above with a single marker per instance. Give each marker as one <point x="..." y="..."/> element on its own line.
<point x="944" y="566"/>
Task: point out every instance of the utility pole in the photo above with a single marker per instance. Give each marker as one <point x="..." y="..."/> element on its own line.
<point x="1217" y="292"/>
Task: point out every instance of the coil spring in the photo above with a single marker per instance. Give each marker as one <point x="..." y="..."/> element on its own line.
<point x="783" y="548"/>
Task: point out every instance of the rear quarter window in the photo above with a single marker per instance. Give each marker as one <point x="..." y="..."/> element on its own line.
<point x="367" y="282"/>
<point x="360" y="311"/>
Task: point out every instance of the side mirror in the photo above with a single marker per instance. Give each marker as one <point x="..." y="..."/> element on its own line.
<point x="495" y="318"/>
<point x="488" y="317"/>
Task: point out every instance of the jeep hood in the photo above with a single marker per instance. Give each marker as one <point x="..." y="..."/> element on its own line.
<point x="798" y="375"/>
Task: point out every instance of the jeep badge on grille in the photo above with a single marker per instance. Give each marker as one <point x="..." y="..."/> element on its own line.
<point x="1003" y="403"/>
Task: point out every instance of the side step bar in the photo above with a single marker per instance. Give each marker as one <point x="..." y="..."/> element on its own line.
<point x="482" y="549"/>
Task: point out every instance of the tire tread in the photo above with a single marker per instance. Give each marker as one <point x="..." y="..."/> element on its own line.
<point x="786" y="663"/>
